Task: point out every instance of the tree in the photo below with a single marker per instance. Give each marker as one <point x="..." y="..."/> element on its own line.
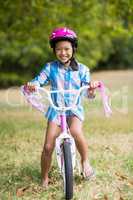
<point x="104" y="29"/>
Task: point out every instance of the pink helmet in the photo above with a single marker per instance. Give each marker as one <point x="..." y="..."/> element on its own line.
<point x="64" y="33"/>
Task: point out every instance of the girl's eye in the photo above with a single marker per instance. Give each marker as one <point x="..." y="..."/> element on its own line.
<point x="57" y="49"/>
<point x="66" y="49"/>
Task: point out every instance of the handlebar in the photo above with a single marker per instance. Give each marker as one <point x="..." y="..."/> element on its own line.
<point x="46" y="94"/>
<point x="63" y="92"/>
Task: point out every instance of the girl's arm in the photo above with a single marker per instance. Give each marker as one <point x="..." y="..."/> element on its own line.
<point x="42" y="79"/>
<point x="86" y="80"/>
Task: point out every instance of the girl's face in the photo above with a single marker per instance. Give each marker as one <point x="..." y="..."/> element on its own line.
<point x="63" y="51"/>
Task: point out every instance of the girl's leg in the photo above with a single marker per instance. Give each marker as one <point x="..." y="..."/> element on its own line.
<point x="52" y="132"/>
<point x="75" y="126"/>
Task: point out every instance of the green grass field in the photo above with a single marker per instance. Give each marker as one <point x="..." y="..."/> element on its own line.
<point x="110" y="143"/>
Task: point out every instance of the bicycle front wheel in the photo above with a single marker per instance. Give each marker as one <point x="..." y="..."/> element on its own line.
<point x="68" y="176"/>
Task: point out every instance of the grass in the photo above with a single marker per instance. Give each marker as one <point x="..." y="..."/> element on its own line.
<point x="110" y="143"/>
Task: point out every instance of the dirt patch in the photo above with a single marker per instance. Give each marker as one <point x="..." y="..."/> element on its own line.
<point x="115" y="78"/>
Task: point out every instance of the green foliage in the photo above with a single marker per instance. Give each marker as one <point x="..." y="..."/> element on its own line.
<point x="8" y="79"/>
<point x="104" y="29"/>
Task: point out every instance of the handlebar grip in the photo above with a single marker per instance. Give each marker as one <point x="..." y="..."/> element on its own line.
<point x="98" y="86"/>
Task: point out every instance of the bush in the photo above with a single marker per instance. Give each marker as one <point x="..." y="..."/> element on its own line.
<point x="11" y="79"/>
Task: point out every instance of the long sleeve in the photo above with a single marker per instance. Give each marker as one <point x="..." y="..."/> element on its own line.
<point x="44" y="76"/>
<point x="85" y="75"/>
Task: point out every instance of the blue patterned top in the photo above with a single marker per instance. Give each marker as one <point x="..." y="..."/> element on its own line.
<point x="60" y="77"/>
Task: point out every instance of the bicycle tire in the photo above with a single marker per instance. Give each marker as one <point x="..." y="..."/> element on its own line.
<point x="68" y="170"/>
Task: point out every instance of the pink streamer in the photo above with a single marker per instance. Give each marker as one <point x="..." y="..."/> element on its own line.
<point x="33" y="99"/>
<point x="105" y="100"/>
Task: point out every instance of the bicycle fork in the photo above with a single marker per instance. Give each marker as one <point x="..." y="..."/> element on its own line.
<point x="63" y="138"/>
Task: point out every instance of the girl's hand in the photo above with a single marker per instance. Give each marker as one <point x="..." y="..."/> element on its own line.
<point x="30" y="87"/>
<point x="94" y="85"/>
<point x="91" y="90"/>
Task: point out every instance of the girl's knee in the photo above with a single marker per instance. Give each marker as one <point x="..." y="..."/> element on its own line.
<point x="76" y="133"/>
<point x="48" y="149"/>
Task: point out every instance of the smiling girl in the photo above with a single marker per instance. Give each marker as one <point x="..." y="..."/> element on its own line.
<point x="64" y="73"/>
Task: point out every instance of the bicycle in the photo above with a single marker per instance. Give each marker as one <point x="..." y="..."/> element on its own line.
<point x="65" y="144"/>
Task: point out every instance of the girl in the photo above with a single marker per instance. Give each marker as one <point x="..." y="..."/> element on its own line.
<point x="64" y="73"/>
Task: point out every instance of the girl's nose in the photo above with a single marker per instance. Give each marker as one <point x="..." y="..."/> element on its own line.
<point x="63" y="51"/>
